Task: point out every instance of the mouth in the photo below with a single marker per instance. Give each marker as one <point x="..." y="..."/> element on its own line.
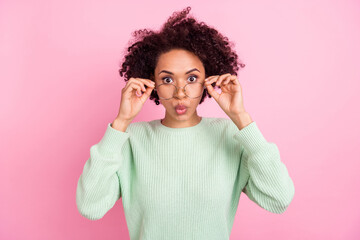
<point x="180" y="109"/>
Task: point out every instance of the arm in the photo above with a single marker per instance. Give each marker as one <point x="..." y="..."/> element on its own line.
<point x="98" y="187"/>
<point x="269" y="184"/>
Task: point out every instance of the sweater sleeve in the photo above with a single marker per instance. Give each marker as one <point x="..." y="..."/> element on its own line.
<point x="98" y="186"/>
<point x="269" y="184"/>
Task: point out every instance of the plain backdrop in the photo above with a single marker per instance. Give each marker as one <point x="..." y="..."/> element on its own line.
<point x="60" y="88"/>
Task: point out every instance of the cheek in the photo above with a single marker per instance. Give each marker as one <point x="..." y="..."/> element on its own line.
<point x="194" y="104"/>
<point x="166" y="104"/>
<point x="196" y="101"/>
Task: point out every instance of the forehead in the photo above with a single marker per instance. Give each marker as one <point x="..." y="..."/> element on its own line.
<point x="178" y="61"/>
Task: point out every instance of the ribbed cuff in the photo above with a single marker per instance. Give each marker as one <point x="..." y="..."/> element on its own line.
<point x="113" y="140"/>
<point x="250" y="137"/>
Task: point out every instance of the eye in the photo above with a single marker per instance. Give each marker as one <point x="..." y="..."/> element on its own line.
<point x="164" y="78"/>
<point x="193" y="76"/>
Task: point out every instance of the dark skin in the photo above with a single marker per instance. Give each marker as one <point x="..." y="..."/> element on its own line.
<point x="230" y="99"/>
<point x="178" y="62"/>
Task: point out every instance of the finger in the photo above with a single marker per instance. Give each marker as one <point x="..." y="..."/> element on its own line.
<point x="141" y="83"/>
<point x="130" y="83"/>
<point x="136" y="85"/>
<point x="209" y="83"/>
<point x="234" y="80"/>
<point x="211" y="90"/>
<point x="147" y="93"/>
<point x="148" y="82"/>
<point x="133" y="87"/>
<point x="221" y="78"/>
<point x="211" y="77"/>
<point x="226" y="80"/>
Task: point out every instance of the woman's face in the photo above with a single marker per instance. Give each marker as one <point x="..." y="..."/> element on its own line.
<point x="179" y="67"/>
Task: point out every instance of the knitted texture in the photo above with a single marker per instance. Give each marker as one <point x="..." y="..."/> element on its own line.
<point x="182" y="183"/>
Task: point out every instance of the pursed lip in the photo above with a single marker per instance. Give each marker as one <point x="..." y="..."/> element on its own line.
<point x="180" y="107"/>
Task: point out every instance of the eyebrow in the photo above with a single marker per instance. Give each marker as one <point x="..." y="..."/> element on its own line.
<point x="194" y="69"/>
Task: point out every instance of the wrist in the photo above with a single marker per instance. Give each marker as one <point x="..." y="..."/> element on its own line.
<point x="242" y="120"/>
<point x="120" y="124"/>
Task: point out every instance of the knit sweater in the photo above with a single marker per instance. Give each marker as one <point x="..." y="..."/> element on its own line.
<point x="182" y="183"/>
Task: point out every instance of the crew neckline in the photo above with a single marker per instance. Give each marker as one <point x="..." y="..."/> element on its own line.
<point x="182" y="130"/>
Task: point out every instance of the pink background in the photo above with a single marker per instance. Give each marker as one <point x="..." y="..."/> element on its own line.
<point x="60" y="87"/>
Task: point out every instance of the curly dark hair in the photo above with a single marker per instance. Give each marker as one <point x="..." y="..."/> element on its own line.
<point x="180" y="32"/>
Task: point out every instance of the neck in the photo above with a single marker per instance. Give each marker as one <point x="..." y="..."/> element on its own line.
<point x="174" y="123"/>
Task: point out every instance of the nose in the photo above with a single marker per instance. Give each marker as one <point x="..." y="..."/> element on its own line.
<point x="180" y="92"/>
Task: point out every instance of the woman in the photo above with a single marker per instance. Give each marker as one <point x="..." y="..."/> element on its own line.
<point x="181" y="177"/>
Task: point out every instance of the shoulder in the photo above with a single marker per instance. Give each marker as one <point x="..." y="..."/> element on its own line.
<point x="137" y="126"/>
<point x="142" y="128"/>
<point x="221" y="128"/>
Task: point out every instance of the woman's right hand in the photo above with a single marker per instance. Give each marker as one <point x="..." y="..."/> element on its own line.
<point x="131" y="101"/>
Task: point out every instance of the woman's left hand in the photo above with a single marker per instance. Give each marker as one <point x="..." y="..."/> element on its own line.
<point x="230" y="99"/>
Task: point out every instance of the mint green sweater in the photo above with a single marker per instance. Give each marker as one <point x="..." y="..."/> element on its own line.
<point x="182" y="183"/>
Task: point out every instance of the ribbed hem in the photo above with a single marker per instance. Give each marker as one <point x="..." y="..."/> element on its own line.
<point x="113" y="139"/>
<point x="250" y="137"/>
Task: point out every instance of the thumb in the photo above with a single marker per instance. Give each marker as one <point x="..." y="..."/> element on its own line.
<point x="146" y="94"/>
<point x="212" y="91"/>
